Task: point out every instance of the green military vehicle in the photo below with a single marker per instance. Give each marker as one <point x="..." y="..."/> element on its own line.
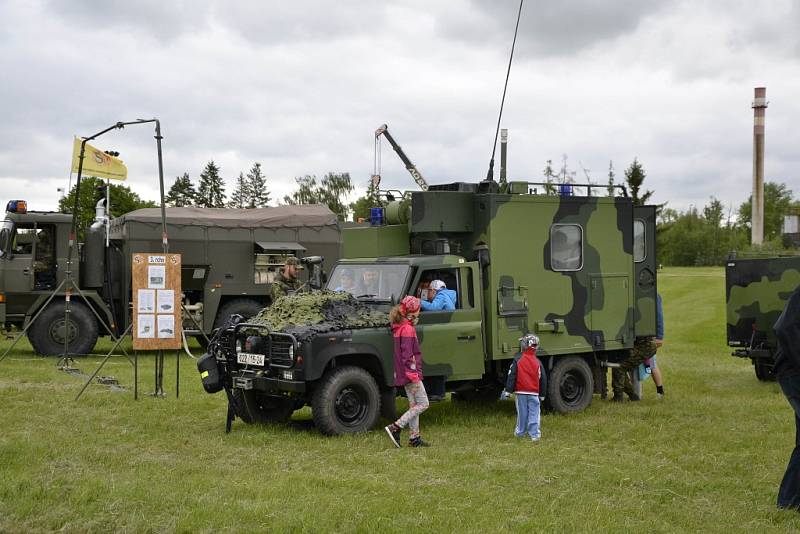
<point x="230" y="258"/>
<point x="756" y="291"/>
<point x="579" y="271"/>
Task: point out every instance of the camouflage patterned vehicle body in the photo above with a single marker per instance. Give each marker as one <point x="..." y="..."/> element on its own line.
<point x="756" y="291"/>
<point x="579" y="271"/>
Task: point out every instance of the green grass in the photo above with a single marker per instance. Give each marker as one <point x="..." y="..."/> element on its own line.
<point x="708" y="458"/>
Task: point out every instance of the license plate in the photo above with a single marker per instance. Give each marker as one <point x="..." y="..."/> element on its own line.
<point x="248" y="358"/>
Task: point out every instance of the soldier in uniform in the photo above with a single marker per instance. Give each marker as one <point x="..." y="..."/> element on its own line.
<point x="643" y="348"/>
<point x="286" y="281"/>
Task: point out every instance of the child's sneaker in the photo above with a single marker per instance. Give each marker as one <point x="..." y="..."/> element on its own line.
<point x="535" y="438"/>
<point x="394" y="434"/>
<point x="660" y="396"/>
<point x="418" y="442"/>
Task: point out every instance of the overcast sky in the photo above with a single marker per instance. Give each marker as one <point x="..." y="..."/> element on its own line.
<point x="302" y="86"/>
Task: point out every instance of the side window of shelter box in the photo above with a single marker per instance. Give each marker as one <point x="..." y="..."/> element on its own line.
<point x="639" y="243"/>
<point x="566" y="247"/>
<point x="451" y="279"/>
<point x="267" y="264"/>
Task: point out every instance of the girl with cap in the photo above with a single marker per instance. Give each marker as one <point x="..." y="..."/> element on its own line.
<point x="408" y="370"/>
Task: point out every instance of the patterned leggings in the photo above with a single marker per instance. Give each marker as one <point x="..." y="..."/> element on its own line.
<point x="417" y="403"/>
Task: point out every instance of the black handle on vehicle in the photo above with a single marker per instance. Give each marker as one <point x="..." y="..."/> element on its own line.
<point x="466" y="338"/>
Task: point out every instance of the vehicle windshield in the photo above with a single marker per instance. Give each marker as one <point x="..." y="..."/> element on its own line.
<point x="371" y="281"/>
<point x="6" y="231"/>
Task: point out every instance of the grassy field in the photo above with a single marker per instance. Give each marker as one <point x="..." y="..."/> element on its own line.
<point x="707" y="458"/>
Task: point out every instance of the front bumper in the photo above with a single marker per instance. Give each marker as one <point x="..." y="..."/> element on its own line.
<point x="268" y="384"/>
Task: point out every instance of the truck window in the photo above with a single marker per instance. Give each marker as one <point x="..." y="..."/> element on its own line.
<point x="370" y="281"/>
<point x="24" y="239"/>
<point x="5" y="238"/>
<point x="449" y="276"/>
<point x="639" y="250"/>
<point x="566" y="247"/>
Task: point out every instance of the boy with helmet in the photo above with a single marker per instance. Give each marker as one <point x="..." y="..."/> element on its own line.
<point x="526" y="379"/>
<point x="408" y="370"/>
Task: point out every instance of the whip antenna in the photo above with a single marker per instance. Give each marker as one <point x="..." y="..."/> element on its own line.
<point x="490" y="174"/>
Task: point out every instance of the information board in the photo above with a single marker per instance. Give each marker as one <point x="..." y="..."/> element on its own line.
<point x="156" y="287"/>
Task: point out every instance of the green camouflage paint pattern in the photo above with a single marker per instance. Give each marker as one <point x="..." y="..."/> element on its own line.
<point x="756" y="291"/>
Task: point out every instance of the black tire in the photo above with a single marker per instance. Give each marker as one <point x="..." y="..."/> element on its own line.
<point x="256" y="407"/>
<point x="764" y="371"/>
<point x="389" y="404"/>
<point x="46" y="334"/>
<point x="347" y="401"/>
<point x="570" y="385"/>
<point x="247" y="308"/>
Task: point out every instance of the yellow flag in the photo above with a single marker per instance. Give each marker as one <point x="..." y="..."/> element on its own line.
<point x="98" y="163"/>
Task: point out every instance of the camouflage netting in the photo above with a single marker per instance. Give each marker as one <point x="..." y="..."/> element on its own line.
<point x="306" y="314"/>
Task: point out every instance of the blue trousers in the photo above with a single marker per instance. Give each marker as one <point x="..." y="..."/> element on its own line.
<point x="528" y="414"/>
<point x="789" y="492"/>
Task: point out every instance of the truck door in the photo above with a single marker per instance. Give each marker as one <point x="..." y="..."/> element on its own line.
<point x="18" y="267"/>
<point x="644" y="258"/>
<point x="452" y="341"/>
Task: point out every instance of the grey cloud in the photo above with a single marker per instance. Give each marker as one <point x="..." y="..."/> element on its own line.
<point x="547" y="28"/>
<point x="256" y="22"/>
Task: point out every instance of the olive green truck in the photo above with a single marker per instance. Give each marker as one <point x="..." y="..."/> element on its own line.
<point x="229" y="256"/>
<point x="756" y="292"/>
<point x="579" y="271"/>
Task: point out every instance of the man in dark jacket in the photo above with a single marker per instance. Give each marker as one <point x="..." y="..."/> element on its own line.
<point x="787" y="370"/>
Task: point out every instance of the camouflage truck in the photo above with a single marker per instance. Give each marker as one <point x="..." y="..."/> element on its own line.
<point x="756" y="291"/>
<point x="579" y="271"/>
<point x="230" y="258"/>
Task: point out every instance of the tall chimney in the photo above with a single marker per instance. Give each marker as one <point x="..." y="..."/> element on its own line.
<point x="757" y="208"/>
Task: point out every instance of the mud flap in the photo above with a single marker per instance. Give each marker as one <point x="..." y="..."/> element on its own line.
<point x="388" y="404"/>
<point x="209" y="373"/>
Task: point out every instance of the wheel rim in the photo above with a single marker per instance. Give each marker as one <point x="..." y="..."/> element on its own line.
<point x="572" y="388"/>
<point x="351" y="405"/>
<point x="59" y="334"/>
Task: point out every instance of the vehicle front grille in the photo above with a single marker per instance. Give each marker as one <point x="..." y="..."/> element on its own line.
<point x="281" y="350"/>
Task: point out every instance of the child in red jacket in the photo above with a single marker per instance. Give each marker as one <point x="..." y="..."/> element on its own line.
<point x="526" y="379"/>
<point x="408" y="370"/>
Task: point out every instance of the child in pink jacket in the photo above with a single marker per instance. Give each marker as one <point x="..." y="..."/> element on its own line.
<point x="408" y="370"/>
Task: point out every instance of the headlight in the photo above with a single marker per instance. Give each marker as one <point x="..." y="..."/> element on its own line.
<point x="291" y="352"/>
<point x="288" y="375"/>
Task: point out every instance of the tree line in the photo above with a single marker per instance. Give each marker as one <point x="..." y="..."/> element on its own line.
<point x="696" y="236"/>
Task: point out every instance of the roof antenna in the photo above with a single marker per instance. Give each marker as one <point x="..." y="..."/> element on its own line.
<point x="490" y="174"/>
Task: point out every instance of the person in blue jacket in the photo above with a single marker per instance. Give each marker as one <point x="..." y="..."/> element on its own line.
<point x="443" y="299"/>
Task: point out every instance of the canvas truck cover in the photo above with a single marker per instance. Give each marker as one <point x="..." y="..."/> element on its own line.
<point x="312" y="215"/>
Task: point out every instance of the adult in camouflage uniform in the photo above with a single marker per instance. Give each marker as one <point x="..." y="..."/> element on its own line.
<point x="286" y="281"/>
<point x="643" y="348"/>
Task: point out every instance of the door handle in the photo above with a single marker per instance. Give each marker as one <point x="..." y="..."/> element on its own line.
<point x="466" y="338"/>
<point x="26" y="272"/>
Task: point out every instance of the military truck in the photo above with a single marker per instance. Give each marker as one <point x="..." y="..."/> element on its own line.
<point x="230" y="258"/>
<point x="756" y="291"/>
<point x="577" y="270"/>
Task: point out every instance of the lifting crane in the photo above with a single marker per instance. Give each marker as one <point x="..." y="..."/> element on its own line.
<point x="376" y="178"/>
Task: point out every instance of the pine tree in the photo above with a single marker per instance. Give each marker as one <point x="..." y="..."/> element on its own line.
<point x="240" y="198"/>
<point x="634" y="177"/>
<point x="211" y="193"/>
<point x="611" y="176"/>
<point x="182" y="192"/>
<point x="257" y="187"/>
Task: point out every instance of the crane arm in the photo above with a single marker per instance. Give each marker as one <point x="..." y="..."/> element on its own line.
<point x="412" y="169"/>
